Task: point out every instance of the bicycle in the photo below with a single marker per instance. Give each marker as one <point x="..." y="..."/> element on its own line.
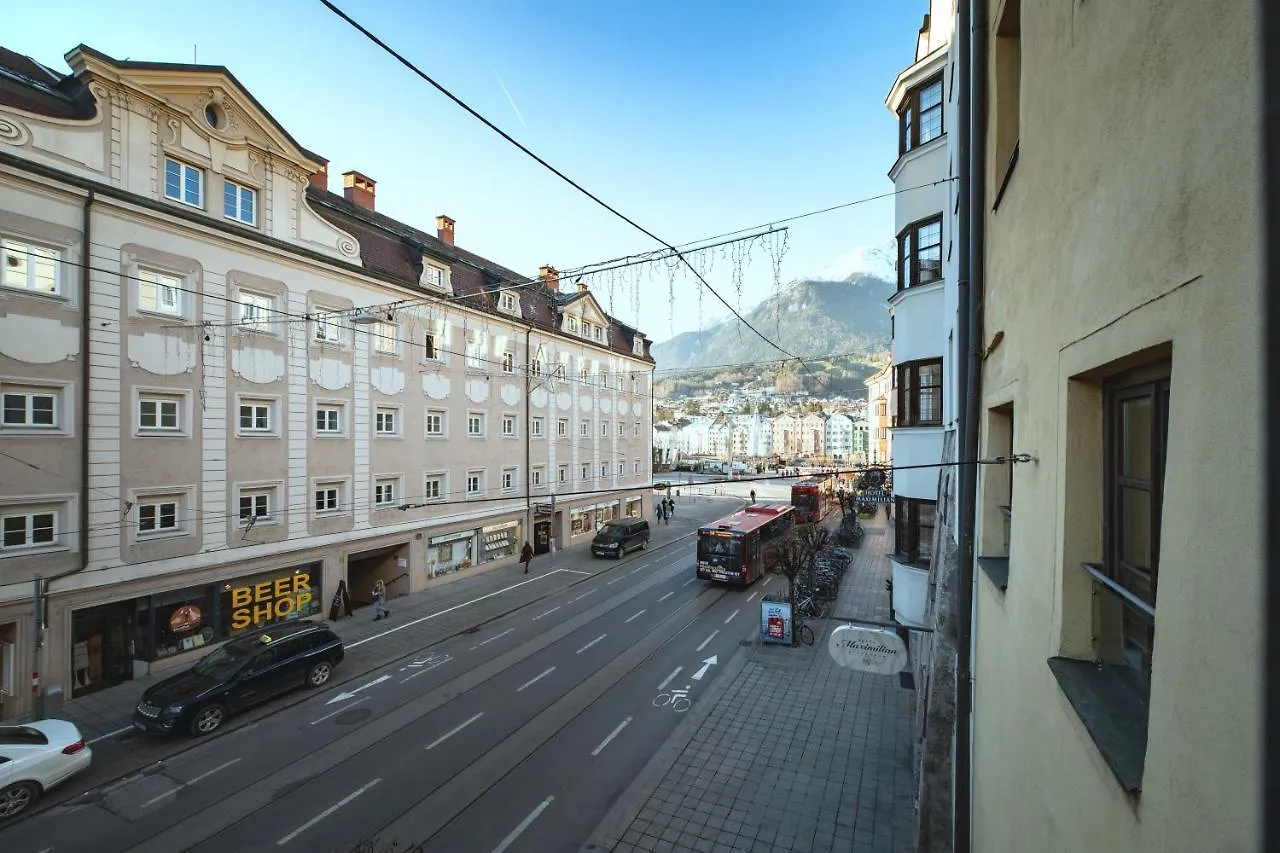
<point x="677" y="699"/>
<point x="802" y="629"/>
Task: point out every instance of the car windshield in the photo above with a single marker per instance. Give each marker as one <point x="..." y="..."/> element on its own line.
<point x="612" y="530"/>
<point x="221" y="663"/>
<point x="22" y="736"/>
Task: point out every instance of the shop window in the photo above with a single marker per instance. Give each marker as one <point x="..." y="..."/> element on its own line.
<point x="500" y="540"/>
<point x="258" y="601"/>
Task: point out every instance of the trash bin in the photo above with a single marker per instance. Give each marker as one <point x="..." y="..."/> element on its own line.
<point x="51" y="702"/>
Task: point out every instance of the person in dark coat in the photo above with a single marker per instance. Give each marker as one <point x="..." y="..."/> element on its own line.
<point x="526" y="556"/>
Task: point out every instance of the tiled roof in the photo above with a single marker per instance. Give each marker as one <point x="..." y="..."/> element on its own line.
<point x="29" y="86"/>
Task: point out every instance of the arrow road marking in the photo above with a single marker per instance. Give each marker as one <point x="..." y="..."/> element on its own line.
<point x="434" y="661"/>
<point x="707" y="640"/>
<point x="342" y="697"/>
<point x="535" y="679"/>
<point x="706" y="665"/>
<point x="667" y="680"/>
<point x="324" y="814"/>
<point x="613" y="734"/>
<point x="453" y="731"/>
<point x="490" y="640"/>
<point x="590" y="644"/>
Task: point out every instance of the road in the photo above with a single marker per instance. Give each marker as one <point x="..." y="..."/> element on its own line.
<point x="515" y="738"/>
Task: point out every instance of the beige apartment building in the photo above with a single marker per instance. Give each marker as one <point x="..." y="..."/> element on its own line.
<point x="227" y="390"/>
<point x="1118" y="632"/>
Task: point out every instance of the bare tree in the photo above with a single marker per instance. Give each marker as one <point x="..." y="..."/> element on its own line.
<point x="794" y="556"/>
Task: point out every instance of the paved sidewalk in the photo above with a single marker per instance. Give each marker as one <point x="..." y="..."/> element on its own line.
<point x="790" y="752"/>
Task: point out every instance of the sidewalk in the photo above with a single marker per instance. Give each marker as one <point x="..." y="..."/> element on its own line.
<point x="789" y="751"/>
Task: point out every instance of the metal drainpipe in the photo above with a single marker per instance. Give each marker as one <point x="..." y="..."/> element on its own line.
<point x="85" y="322"/>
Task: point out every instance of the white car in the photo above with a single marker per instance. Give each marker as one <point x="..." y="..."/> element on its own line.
<point x="34" y="758"/>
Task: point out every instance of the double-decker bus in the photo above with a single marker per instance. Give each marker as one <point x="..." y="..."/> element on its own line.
<point x="732" y="549"/>
<point x="811" y="497"/>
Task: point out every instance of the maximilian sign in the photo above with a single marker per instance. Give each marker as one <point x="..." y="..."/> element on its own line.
<point x="868" y="649"/>
<point x="269" y="601"/>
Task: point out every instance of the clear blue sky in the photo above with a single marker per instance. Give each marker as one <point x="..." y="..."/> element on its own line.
<point x="693" y="118"/>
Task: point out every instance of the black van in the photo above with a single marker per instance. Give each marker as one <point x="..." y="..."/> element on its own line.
<point x="618" y="537"/>
<point x="240" y="673"/>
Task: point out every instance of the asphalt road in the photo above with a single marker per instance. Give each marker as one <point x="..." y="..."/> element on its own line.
<point x="517" y="737"/>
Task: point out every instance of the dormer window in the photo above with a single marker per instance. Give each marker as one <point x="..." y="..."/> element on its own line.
<point x="507" y="302"/>
<point x="571" y="323"/>
<point x="432" y="276"/>
<point x="637" y="345"/>
<point x="598" y="332"/>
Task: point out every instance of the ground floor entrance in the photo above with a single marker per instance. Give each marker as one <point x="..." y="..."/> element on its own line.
<point x="389" y="565"/>
<point x="103" y="645"/>
<point x="542" y="536"/>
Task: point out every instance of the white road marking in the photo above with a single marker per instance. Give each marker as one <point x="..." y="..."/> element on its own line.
<point x="108" y="736"/>
<point x="344" y="696"/>
<point x="665" y="597"/>
<point x="535" y="679"/>
<point x="636" y="616"/>
<point x="584" y="595"/>
<point x="590" y="644"/>
<point x="490" y="640"/>
<point x="667" y="680"/>
<point x="421" y="619"/>
<point x="706" y="665"/>
<point x="524" y="824"/>
<point x="689" y="581"/>
<point x="731" y="615"/>
<point x="548" y="613"/>
<point x="434" y="664"/>
<point x="573" y="571"/>
<point x="752" y="595"/>
<point x="188" y="783"/>
<point x="340" y="710"/>
<point x="612" y="582"/>
<point x="636" y="569"/>
<point x="324" y="814"/>
<point x="444" y="737"/>
<point x="613" y="734"/>
<point x="766" y="582"/>
<point x="707" y="640"/>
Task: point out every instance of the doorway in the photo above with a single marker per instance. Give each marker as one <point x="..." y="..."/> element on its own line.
<point x="541" y="536"/>
<point x="102" y="647"/>
<point x="364" y="569"/>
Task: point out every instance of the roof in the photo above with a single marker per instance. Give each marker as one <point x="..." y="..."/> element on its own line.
<point x="27" y="85"/>
<point x="749" y="518"/>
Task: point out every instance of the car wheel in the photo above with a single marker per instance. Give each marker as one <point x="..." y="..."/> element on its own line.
<point x="208" y="719"/>
<point x="319" y="674"/>
<point x="17" y="798"/>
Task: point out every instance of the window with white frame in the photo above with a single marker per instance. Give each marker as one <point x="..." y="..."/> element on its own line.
<point x="475" y="424"/>
<point x="622" y="429"/>
<point x="604" y="429"/>
<point x="564" y="473"/>
<point x="329" y="419"/>
<point x="256" y="505"/>
<point x="635" y="431"/>
<point x="604" y="470"/>
<point x="507" y="302"/>
<point x="435" y="419"/>
<point x="635" y="468"/>
<point x="28" y="527"/>
<point x="328" y="497"/>
<point x="256" y="416"/>
<point x="634" y="384"/>
<point x="32" y="407"/>
<point x="429" y="350"/>
<point x="183" y="183"/>
<point x="562" y="427"/>
<point x="509" y="426"/>
<point x="571" y="323"/>
<point x="535" y="427"/>
<point x="637" y="347"/>
<point x="386" y="421"/>
<point x="584" y="429"/>
<point x="386" y="491"/>
<point x="256" y="310"/>
<point x="622" y="469"/>
<point x="327" y="327"/>
<point x="386" y="338"/>
<point x="159" y="292"/>
<point x="598" y="332"/>
<point x="586" y="471"/>
<point x="27" y="266"/>
<point x="160" y="412"/>
<point x="475" y="351"/>
<point x="535" y="366"/>
<point x="159" y="514"/>
<point x="475" y="483"/>
<point x="433" y="276"/>
<point x="508" y="479"/>
<point x="535" y="475"/>
<point x="433" y="488"/>
<point x="584" y="375"/>
<point x="239" y="203"/>
<point x="586" y="329"/>
<point x="508" y="362"/>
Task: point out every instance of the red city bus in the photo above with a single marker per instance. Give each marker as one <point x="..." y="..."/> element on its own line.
<point x="811" y="498"/>
<point x="732" y="549"/>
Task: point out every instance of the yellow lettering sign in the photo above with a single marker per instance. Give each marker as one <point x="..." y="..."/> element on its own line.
<point x="269" y="601"/>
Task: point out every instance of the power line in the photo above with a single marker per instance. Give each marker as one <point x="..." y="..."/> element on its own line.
<point x="661" y="373"/>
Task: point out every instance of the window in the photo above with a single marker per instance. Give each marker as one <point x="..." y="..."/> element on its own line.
<point x="327" y="327"/>
<point x="586" y="471"/>
<point x="635" y="431"/>
<point x="183" y="183"/>
<point x="584" y="375"/>
<point x="562" y="427"/>
<point x="386" y="421"/>
<point x="571" y="323"/>
<point x="508" y="479"/>
<point x="25" y="266"/>
<point x="256" y="310"/>
<point x="634" y="384"/>
<point x="328" y="420"/>
<point x="159" y="293"/>
<point x="920" y="116"/>
<point x="432" y="276"/>
<point x="29" y="407"/>
<point x="429" y="350"/>
<point x="535" y="476"/>
<point x="913" y="529"/>
<point x="435" y="422"/>
<point x="604" y="470"/>
<point x="622" y="429"/>
<point x="535" y="427"/>
<point x="28" y="528"/>
<point x="475" y="352"/>
<point x="919" y="394"/>
<point x="920" y="253"/>
<point x="584" y="429"/>
<point x="433" y="487"/>
<point x="604" y="429"/>
<point x="239" y="203"/>
<point x="508" y="362"/>
<point x="586" y="329"/>
<point x="159" y="413"/>
<point x="509" y="426"/>
<point x="386" y="338"/>
<point x="1006" y="106"/>
<point x="535" y="366"/>
<point x="159" y="515"/>
<point x="475" y="424"/>
<point x="507" y="301"/>
<point x="255" y="416"/>
<point x="598" y="331"/>
<point x="635" y="467"/>
<point x="474" y="482"/>
<point x="255" y="505"/>
<point x="564" y="473"/>
<point x="622" y="469"/>
<point x="328" y="498"/>
<point x="384" y="492"/>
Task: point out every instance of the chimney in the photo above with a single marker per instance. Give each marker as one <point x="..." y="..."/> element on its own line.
<point x="320" y="180"/>
<point x="444" y="229"/>
<point x="358" y="189"/>
<point x="582" y="287"/>
<point x="550" y="277"/>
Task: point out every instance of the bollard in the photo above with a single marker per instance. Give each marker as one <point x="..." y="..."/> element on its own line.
<point x="51" y="704"/>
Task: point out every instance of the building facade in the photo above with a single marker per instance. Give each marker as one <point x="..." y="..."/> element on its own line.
<point x="233" y="391"/>
<point x="839" y="437"/>
<point x="879" y="421"/>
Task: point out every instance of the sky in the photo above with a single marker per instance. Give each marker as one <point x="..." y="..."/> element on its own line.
<point x="692" y="118"/>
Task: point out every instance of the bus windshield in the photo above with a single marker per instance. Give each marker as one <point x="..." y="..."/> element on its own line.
<point x="804" y="500"/>
<point x="718" y="549"/>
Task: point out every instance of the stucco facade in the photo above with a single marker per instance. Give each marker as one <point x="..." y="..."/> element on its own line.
<point x="223" y="378"/>
<point x="1123" y="176"/>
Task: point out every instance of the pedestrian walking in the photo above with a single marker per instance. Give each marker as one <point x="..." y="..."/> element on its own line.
<point x="526" y="556"/>
<point x="380" y="596"/>
<point x="753" y="495"/>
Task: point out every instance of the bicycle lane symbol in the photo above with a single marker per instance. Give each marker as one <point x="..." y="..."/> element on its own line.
<point x="677" y="699"/>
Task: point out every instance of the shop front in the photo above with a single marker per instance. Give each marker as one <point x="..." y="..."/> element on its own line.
<point x="498" y="541"/>
<point x="451" y="552"/>
<point x="586" y="519"/>
<point x="635" y="507"/>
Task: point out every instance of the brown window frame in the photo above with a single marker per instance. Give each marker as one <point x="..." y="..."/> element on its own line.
<point x="909" y="252"/>
<point x="1137" y="630"/>
<point x="909" y="114"/>
<point x="909" y="393"/>
<point x="906" y="529"/>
